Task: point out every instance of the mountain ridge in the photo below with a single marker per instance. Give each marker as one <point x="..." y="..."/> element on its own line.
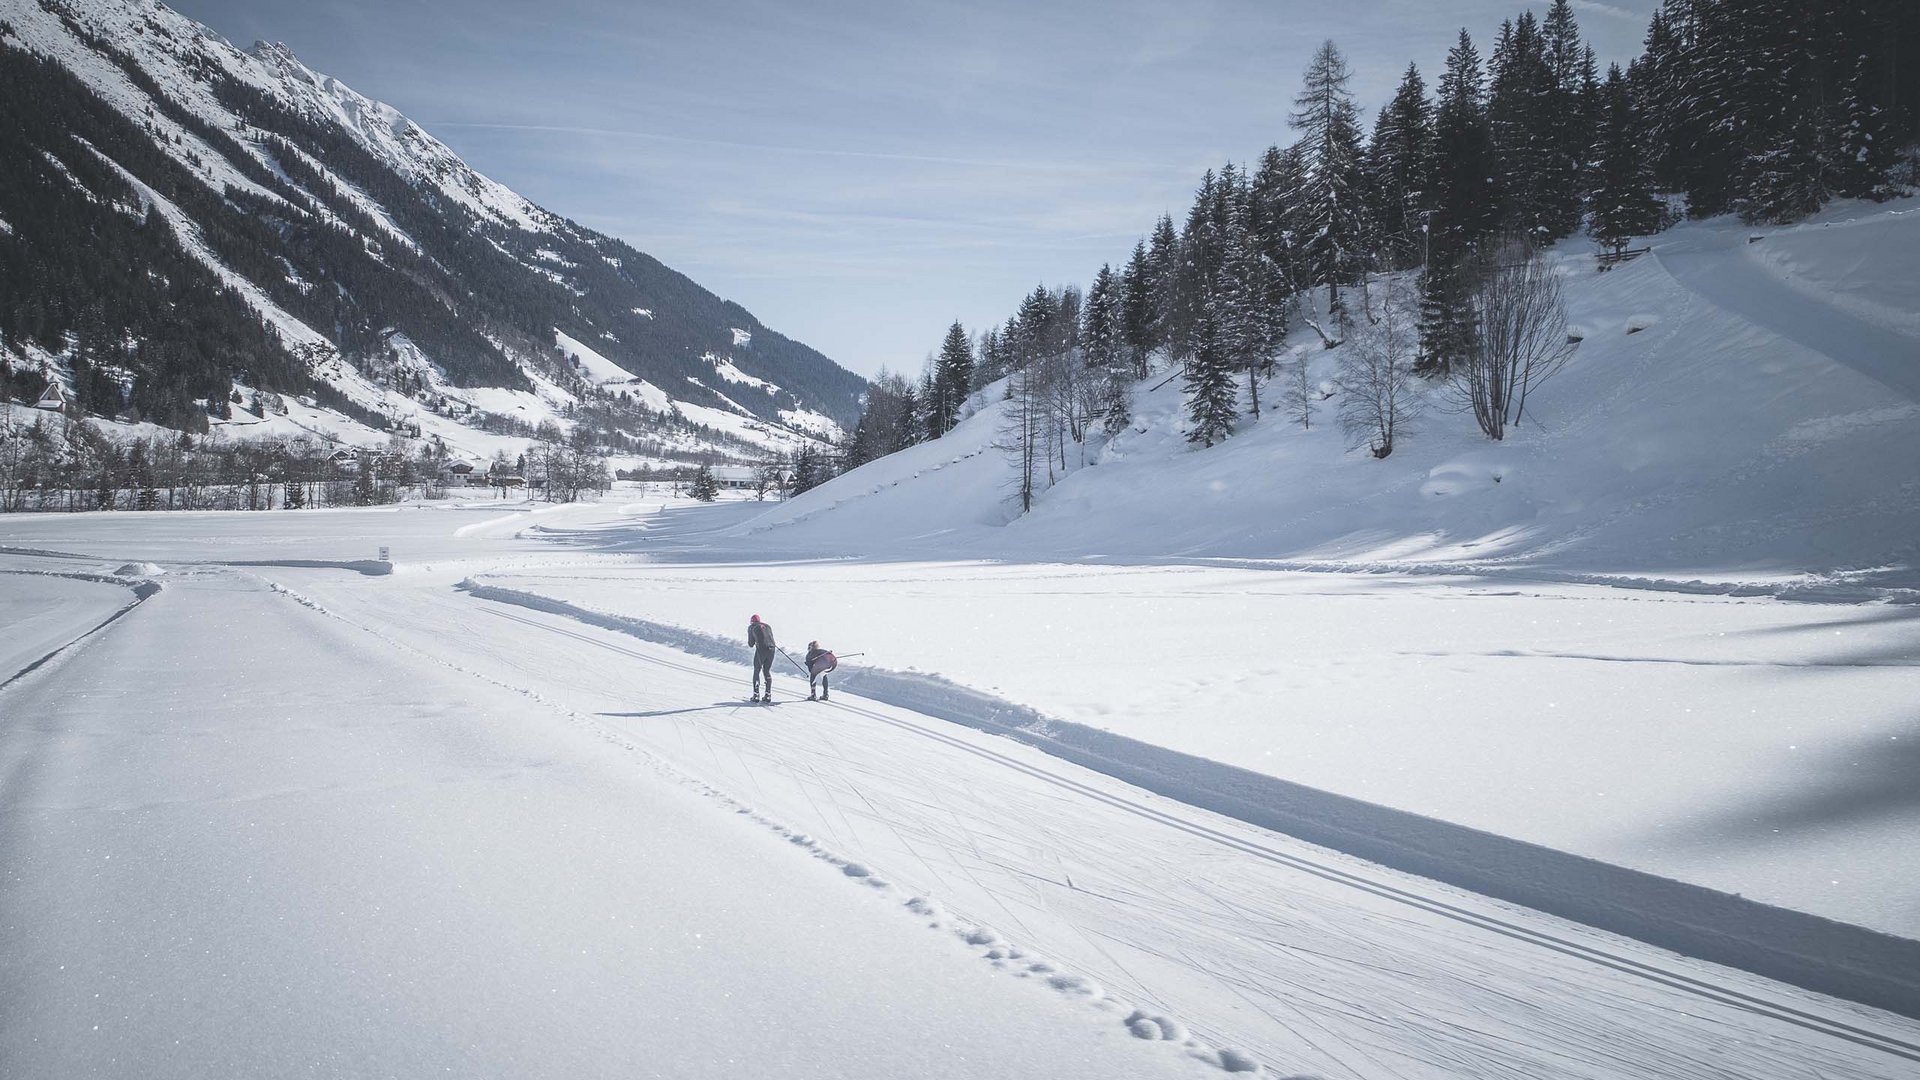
<point x="282" y="180"/>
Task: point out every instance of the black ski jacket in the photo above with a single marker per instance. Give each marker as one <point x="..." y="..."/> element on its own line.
<point x="760" y="635"/>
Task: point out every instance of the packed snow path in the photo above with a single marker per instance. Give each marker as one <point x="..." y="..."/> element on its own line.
<point x="1701" y="263"/>
<point x="244" y="839"/>
<point x="1304" y="960"/>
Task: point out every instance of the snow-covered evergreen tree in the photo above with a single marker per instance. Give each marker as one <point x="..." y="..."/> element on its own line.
<point x="1104" y="349"/>
<point x="1212" y="405"/>
<point x="1137" y="314"/>
<point x="703" y="486"/>
<point x="1465" y="200"/>
<point x="1622" y="202"/>
<point x="1400" y="167"/>
<point x="1163" y="267"/>
<point x="1331" y="198"/>
<point x="952" y="381"/>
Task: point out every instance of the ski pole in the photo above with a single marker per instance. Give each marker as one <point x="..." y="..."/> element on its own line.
<point x="795" y="663"/>
<point x="844" y="655"/>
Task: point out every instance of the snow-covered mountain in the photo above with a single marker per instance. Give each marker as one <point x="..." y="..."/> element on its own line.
<point x="398" y="286"/>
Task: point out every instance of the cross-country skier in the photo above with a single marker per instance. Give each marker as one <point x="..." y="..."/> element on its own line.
<point x="760" y="638"/>
<point x="819" y="663"/>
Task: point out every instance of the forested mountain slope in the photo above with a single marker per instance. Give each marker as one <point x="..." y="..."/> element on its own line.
<point x="1741" y="410"/>
<point x="182" y="219"/>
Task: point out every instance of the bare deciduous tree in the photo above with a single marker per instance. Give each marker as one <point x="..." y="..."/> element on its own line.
<point x="1521" y="324"/>
<point x="1377" y="395"/>
<point x="1299" y="396"/>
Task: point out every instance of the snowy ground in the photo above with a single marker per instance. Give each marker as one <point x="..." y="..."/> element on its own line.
<point x="44" y="613"/>
<point x="1748" y="744"/>
<point x="323" y="819"/>
<point x="493" y="806"/>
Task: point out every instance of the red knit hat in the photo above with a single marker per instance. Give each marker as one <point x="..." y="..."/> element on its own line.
<point x="753" y="618"/>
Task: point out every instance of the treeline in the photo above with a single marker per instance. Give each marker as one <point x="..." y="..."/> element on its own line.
<point x="64" y="464"/>
<point x="1765" y="108"/>
<point x="61" y="463"/>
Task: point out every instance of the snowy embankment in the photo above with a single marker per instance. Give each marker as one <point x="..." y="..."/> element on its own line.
<point x="1731" y="417"/>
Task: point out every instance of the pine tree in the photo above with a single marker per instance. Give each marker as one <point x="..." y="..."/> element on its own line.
<point x="1163" y="283"/>
<point x="1200" y="255"/>
<point x="703" y="486"/>
<point x="1400" y="165"/>
<point x="1861" y="152"/>
<point x="1465" y="201"/>
<point x="952" y="381"/>
<point x="1211" y="402"/>
<point x="1137" y="313"/>
<point x="1103" y="343"/>
<point x="1246" y="302"/>
<point x="1567" y="124"/>
<point x="1519" y="103"/>
<point x="1657" y="78"/>
<point x="806" y="472"/>
<point x="1776" y="124"/>
<point x="1275" y="212"/>
<point x="1331" y="196"/>
<point x="991" y="364"/>
<point x="1622" y="200"/>
<point x="1446" y="320"/>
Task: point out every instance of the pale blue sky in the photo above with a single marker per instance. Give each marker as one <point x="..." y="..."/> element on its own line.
<point x="860" y="174"/>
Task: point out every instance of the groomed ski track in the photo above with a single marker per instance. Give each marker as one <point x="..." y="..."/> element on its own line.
<point x="1305" y="960"/>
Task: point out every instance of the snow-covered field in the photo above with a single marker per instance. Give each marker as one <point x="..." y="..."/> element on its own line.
<point x="1093" y="801"/>
<point x="295" y="813"/>
<point x="1748" y="744"/>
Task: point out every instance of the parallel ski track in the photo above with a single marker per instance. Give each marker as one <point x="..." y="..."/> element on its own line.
<point x="141" y="591"/>
<point x="1703" y="988"/>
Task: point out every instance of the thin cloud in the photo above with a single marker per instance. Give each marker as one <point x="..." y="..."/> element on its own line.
<point x="815" y="151"/>
<point x="1599" y="8"/>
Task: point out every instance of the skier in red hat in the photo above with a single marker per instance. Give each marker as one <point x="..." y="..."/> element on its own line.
<point x="760" y="638"/>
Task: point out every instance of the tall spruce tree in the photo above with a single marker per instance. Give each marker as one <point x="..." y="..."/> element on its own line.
<point x="1212" y="404"/>
<point x="1519" y="104"/>
<point x="1137" y="313"/>
<point x="1465" y="200"/>
<point x="1566" y="119"/>
<point x="1104" y="349"/>
<point x="1400" y="166"/>
<point x="1275" y="207"/>
<point x="1464" y="211"/>
<point x="1201" y="252"/>
<point x="1331" y="194"/>
<point x="1247" y="298"/>
<point x="1163" y="284"/>
<point x="1622" y="202"/>
<point x="952" y="381"/>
